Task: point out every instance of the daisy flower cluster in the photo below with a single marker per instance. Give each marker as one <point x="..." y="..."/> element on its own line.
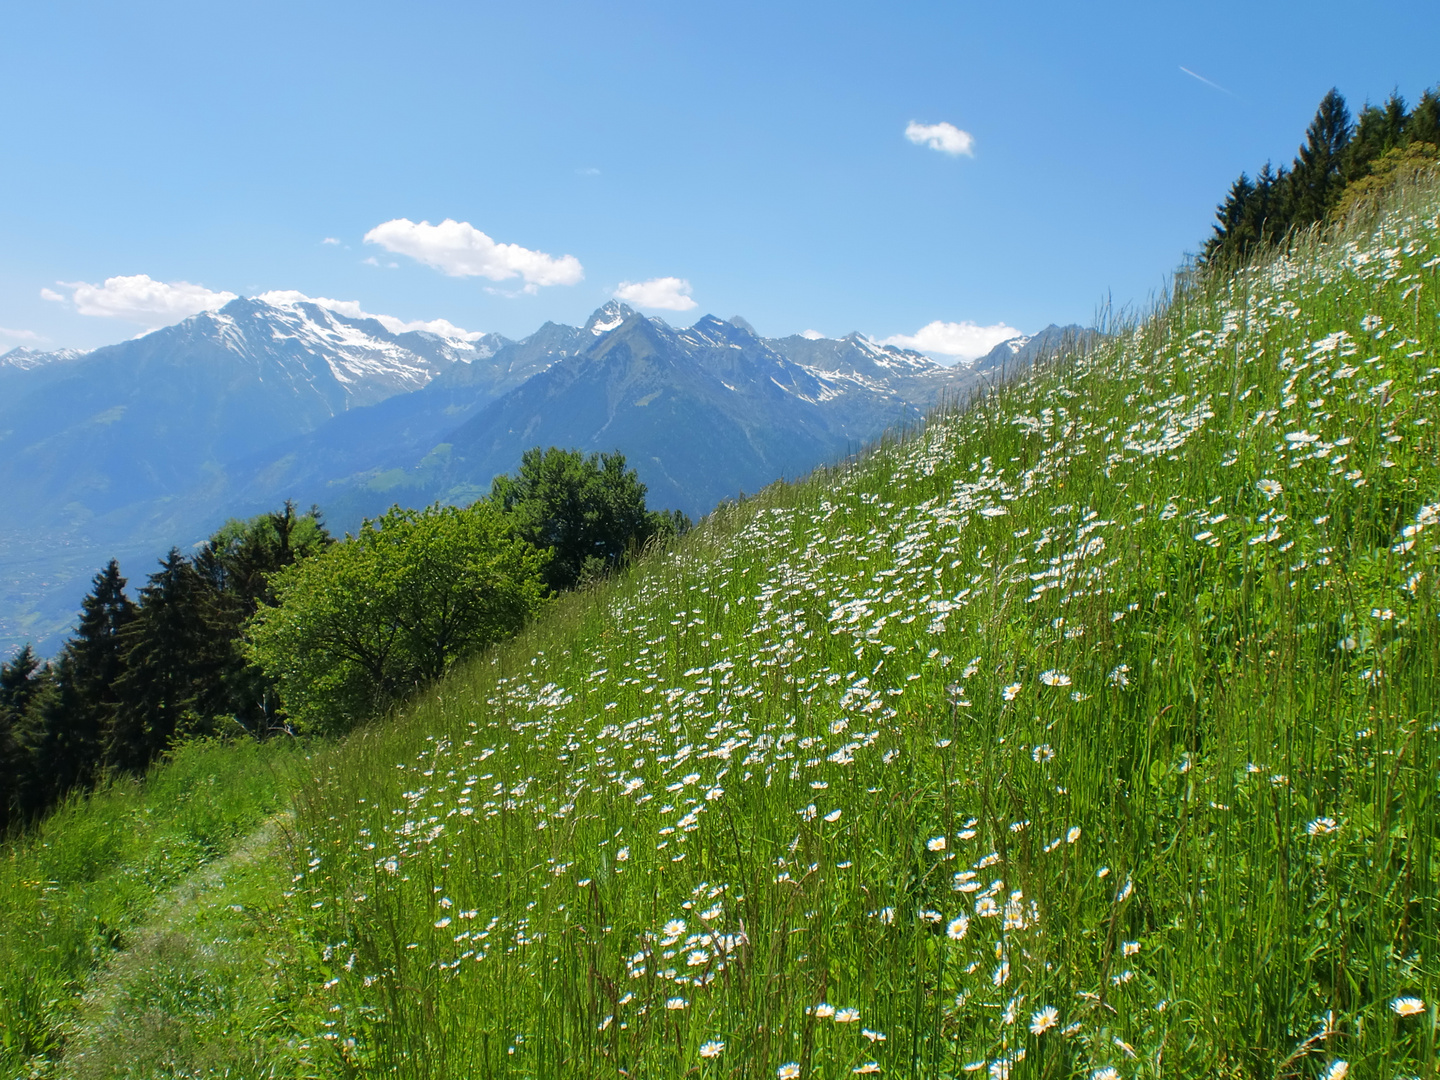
<point x="989" y="745"/>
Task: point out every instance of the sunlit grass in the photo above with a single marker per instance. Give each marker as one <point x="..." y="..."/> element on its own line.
<point x="74" y="890"/>
<point x="1091" y="728"/>
<point x="1088" y="732"/>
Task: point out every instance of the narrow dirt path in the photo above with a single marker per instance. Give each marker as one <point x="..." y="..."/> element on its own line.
<point x="174" y="1002"/>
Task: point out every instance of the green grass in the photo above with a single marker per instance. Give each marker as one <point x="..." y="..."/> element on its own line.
<point x="78" y="890"/>
<point x="1140" y="639"/>
<point x="1090" y="731"/>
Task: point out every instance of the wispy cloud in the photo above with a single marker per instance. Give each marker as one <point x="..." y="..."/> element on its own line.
<point x="458" y="249"/>
<point x="1206" y="81"/>
<point x="664" y="293"/>
<point x="812" y="335"/>
<point x="140" y="298"/>
<point x="330" y="240"/>
<point x="946" y="138"/>
<point x="19" y="335"/>
<point x="960" y="340"/>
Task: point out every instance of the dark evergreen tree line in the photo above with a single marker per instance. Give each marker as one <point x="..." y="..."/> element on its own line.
<point x="1338" y="154"/>
<point x="138" y="675"/>
<point x="178" y="662"/>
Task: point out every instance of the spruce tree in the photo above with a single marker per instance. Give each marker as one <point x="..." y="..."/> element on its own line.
<point x="68" y="733"/>
<point x="1377" y="131"/>
<point x="165" y="686"/>
<point x="1253" y="214"/>
<point x="43" y="768"/>
<point x="18" y="686"/>
<point x="236" y="566"/>
<point x="1317" y="177"/>
<point x="1269" y="213"/>
<point x="1423" y="123"/>
<point x="1229" y="240"/>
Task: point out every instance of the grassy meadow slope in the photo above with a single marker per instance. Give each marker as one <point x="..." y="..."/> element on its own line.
<point x="80" y="890"/>
<point x="1090" y="731"/>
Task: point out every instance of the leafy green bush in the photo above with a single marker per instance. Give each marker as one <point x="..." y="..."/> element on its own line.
<point x="589" y="512"/>
<point x="366" y="621"/>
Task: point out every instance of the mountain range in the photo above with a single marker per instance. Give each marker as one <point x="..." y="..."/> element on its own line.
<point x="134" y="447"/>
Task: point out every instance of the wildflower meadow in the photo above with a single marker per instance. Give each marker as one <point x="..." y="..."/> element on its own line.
<point x="1088" y="731"/>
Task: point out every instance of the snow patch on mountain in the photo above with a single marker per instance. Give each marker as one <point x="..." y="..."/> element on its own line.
<point x="25" y="359"/>
<point x="351" y="309"/>
<point x="607" y="317"/>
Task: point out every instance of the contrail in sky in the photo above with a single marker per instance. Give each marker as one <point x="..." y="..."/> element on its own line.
<point x="1206" y="81"/>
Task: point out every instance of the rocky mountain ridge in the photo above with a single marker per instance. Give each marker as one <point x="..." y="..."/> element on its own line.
<point x="155" y="441"/>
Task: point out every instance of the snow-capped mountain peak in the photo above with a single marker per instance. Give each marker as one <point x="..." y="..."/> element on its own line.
<point x="368" y="357"/>
<point x="26" y="359"/>
<point x="608" y="316"/>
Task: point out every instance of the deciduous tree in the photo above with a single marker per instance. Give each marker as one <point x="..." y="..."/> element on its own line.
<point x="364" y="622"/>
<point x="589" y="511"/>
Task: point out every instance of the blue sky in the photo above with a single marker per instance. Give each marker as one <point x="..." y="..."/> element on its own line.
<point x="756" y="152"/>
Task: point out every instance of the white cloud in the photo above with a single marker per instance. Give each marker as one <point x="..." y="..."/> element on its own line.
<point x="812" y="335"/>
<point x="330" y="240"/>
<point x="946" y="138"/>
<point x="20" y="335"/>
<point x="960" y="340"/>
<point x="140" y="298"/>
<point x="353" y="310"/>
<point x="665" y="293"/>
<point x="51" y="294"/>
<point x="458" y="249"/>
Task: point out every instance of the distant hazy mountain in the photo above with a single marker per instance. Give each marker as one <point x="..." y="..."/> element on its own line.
<point x="116" y="450"/>
<point x="84" y="436"/>
<point x="704" y="413"/>
<point x="155" y="441"/>
<point x="1020" y="352"/>
<point x="23" y="359"/>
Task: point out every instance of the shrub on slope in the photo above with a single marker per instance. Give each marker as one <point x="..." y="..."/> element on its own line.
<point x="1089" y="732"/>
<point x="363" y="623"/>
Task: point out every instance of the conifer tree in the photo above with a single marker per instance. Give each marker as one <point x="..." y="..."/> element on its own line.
<point x="1269" y="218"/>
<point x="1377" y="131"/>
<point x="171" y="678"/>
<point x="1337" y="156"/>
<point x="1253" y="214"/>
<point x="20" y="679"/>
<point x="134" y="678"/>
<point x="1423" y="123"/>
<point x="236" y="566"/>
<point x="41" y="741"/>
<point x="65" y="734"/>
<point x="1231" y="217"/>
<point x="1317" y="178"/>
